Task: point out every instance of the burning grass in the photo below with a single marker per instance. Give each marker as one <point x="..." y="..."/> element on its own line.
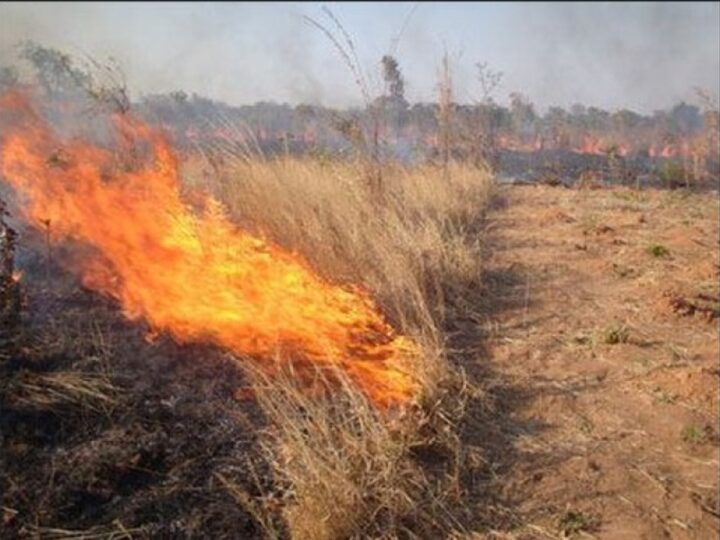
<point x="313" y="282"/>
<point x="415" y="246"/>
<point x="342" y="470"/>
<point x="196" y="275"/>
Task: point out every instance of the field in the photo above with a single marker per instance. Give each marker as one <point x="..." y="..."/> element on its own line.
<point x="444" y="320"/>
<point x="603" y="353"/>
<point x="111" y="431"/>
<point x="566" y="372"/>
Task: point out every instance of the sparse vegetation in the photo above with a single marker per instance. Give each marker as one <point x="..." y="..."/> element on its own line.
<point x="586" y="426"/>
<point x="695" y="435"/>
<point x="623" y="271"/>
<point x="574" y="522"/>
<point x="665" y="398"/>
<point x="617" y="333"/>
<point x="658" y="250"/>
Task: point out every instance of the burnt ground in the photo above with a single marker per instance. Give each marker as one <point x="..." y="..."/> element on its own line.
<point x="600" y="359"/>
<point x="105" y="432"/>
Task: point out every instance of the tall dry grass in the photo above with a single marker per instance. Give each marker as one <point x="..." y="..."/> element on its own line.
<point x="342" y="468"/>
<point x="409" y="248"/>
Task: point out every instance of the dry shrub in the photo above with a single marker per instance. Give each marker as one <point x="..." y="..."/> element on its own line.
<point x="344" y="468"/>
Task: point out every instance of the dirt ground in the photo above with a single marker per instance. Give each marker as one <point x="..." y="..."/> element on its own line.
<point x="602" y="345"/>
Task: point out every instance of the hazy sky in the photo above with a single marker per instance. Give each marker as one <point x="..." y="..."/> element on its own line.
<point x="641" y="55"/>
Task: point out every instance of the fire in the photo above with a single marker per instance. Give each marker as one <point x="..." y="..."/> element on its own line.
<point x="667" y="151"/>
<point x="591" y="145"/>
<point x="194" y="274"/>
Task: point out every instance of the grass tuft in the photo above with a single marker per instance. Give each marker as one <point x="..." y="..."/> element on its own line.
<point x="658" y="250"/>
<point x="617" y="334"/>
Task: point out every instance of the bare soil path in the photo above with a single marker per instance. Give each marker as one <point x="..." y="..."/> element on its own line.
<point x="608" y="336"/>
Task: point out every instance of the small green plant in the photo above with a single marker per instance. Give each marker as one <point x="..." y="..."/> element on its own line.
<point x="694" y="434"/>
<point x="617" y="334"/>
<point x="574" y="522"/>
<point x="658" y="250"/>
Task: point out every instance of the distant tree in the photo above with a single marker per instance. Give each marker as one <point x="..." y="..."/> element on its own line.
<point x="179" y="96"/>
<point x="522" y="113"/>
<point x="446" y="106"/>
<point x="486" y="117"/>
<point x="306" y="111"/>
<point x="686" y="118"/>
<point x="392" y="106"/>
<point x="489" y="81"/>
<point x="598" y="119"/>
<point x="8" y="78"/>
<point x="624" y="121"/>
<point x="55" y="70"/>
<point x="61" y="78"/>
<point x="578" y="110"/>
<point x="557" y="122"/>
<point x="706" y="152"/>
<point x="394" y="82"/>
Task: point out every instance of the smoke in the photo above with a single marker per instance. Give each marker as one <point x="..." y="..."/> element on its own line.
<point x="237" y="53"/>
<point x="639" y="56"/>
<point x="642" y="56"/>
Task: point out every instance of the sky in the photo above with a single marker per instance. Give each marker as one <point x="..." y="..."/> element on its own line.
<point x="642" y="56"/>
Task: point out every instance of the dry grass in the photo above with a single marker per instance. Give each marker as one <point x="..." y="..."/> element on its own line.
<point x="409" y="251"/>
<point x="63" y="389"/>
<point x="114" y="532"/>
<point x="342" y="468"/>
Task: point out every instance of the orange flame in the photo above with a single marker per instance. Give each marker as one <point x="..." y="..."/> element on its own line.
<point x="590" y="145"/>
<point x="196" y="275"/>
<point x="668" y="151"/>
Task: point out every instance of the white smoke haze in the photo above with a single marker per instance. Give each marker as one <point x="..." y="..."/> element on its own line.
<point x="642" y="56"/>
